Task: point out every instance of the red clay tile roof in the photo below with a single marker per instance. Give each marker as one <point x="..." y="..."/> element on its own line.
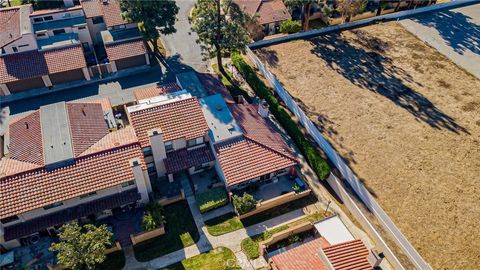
<point x="182" y="159"/>
<point x="32" y="64"/>
<point x="179" y="119"/>
<point x="124" y="136"/>
<point x="156" y="90"/>
<point x="269" y="11"/>
<point x="125" y="49"/>
<point x="110" y="11"/>
<point x="258" y="128"/>
<point x="9" y="26"/>
<point x="243" y="158"/>
<point x="37" y="188"/>
<point x="104" y="102"/>
<point x="348" y="255"/>
<point x="304" y="257"/>
<point x="87" y="125"/>
<point x="9" y="166"/>
<point x="26" y="139"/>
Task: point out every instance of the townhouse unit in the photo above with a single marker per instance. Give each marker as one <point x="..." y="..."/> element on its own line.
<point x="46" y="48"/>
<point x="64" y="162"/>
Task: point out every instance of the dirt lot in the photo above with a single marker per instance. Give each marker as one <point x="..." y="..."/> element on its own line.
<point x="408" y="122"/>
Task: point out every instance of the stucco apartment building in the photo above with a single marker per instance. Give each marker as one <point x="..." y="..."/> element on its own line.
<point x="181" y="133"/>
<point x="45" y="48"/>
<point x="64" y="162"/>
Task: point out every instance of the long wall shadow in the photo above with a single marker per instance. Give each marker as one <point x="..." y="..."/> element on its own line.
<point x="457" y="29"/>
<point x="372" y="70"/>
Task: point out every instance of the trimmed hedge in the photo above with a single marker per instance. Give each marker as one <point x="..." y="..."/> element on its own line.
<point x="211" y="199"/>
<point x="319" y="165"/>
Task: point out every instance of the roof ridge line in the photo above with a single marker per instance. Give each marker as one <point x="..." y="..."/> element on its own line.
<point x="270" y="148"/>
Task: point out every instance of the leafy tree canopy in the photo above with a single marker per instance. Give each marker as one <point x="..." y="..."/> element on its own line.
<point x="82" y="247"/>
<point x="153" y="17"/>
<point x="220" y="28"/>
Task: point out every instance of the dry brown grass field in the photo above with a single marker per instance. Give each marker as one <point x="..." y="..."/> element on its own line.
<point x="408" y="122"/>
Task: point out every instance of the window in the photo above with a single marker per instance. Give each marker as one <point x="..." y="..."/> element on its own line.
<point x="37" y="20"/>
<point x="41" y="34"/>
<point x="200" y="140"/>
<point x="97" y="20"/>
<point x="53" y="205"/>
<point x="191" y="143"/>
<point x="58" y="31"/>
<point x="24" y="45"/>
<point x="15" y="49"/>
<point x="127" y="184"/>
<point x="48" y="18"/>
<point x="9" y="219"/>
<point x="151" y="167"/>
<point x="147" y="151"/>
<point x="81" y="27"/>
<point x="202" y="166"/>
<point x="88" y="195"/>
<point x="169" y="146"/>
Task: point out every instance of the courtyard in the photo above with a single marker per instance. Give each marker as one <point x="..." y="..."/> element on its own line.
<point x="406" y="119"/>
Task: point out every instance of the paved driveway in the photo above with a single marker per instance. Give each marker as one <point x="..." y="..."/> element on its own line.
<point x="454" y="33"/>
<point x="182" y="45"/>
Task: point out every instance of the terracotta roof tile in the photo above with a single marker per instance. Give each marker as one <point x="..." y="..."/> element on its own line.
<point x="104" y="102"/>
<point x="26" y="139"/>
<point x="34" y="189"/>
<point x="125" y="49"/>
<point x="268" y="11"/>
<point x="124" y="136"/>
<point x="32" y="64"/>
<point x="9" y="26"/>
<point x="258" y="128"/>
<point x="243" y="158"/>
<point x="304" y="257"/>
<point x="87" y="125"/>
<point x="10" y="166"/>
<point x="348" y="255"/>
<point x="179" y="119"/>
<point x="156" y="90"/>
<point x="183" y="159"/>
<point x="110" y="11"/>
<point x="272" y="11"/>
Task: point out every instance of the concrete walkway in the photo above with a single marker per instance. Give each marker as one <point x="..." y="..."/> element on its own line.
<point x="218" y="212"/>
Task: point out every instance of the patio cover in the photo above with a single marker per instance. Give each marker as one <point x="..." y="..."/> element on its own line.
<point x="69" y="214"/>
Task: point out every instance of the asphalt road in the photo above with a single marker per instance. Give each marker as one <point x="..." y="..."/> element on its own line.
<point x="181" y="46"/>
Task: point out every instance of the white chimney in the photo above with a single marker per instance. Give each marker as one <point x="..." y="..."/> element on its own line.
<point x="263" y="108"/>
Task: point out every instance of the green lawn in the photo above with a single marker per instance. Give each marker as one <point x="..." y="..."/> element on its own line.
<point x="211" y="199"/>
<point x="181" y="232"/>
<point x="223" y="224"/>
<point x="217" y="259"/>
<point x="251" y="245"/>
<point x="114" y="261"/>
<point x="230" y="222"/>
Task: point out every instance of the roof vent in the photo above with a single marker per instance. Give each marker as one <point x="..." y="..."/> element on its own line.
<point x="26" y="125"/>
<point x="83" y="112"/>
<point x="105" y="2"/>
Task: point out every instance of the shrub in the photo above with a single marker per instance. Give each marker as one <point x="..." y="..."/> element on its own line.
<point x="250" y="248"/>
<point x="244" y="204"/>
<point x="153" y="217"/>
<point x="318" y="164"/>
<point x="211" y="199"/>
<point x="290" y="27"/>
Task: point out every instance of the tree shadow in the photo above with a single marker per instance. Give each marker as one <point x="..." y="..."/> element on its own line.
<point x="457" y="29"/>
<point x="268" y="56"/>
<point x="372" y="70"/>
